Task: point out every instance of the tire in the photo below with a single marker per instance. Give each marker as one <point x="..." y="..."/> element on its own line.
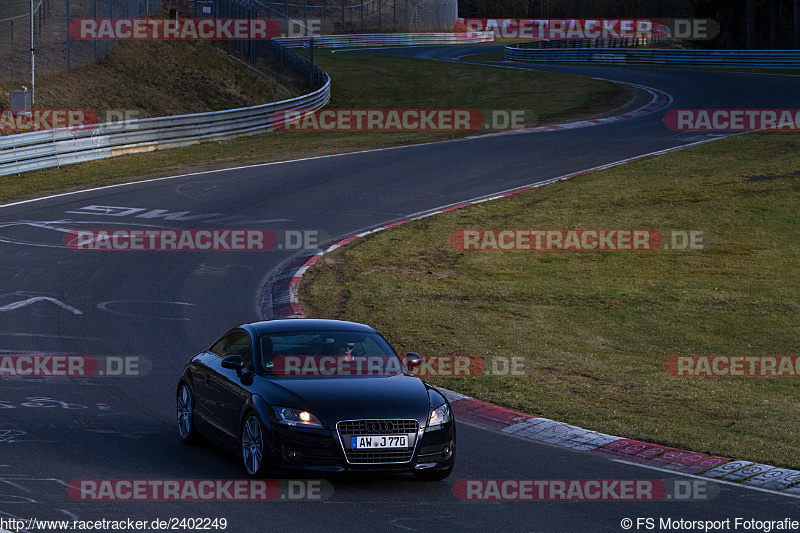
<point x="433" y="475"/>
<point x="185" y="414"/>
<point x="252" y="444"/>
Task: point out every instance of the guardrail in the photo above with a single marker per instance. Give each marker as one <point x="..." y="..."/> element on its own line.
<point x="387" y="39"/>
<point x="593" y="43"/>
<point x="658" y="34"/>
<point x="786" y="59"/>
<point x="51" y="148"/>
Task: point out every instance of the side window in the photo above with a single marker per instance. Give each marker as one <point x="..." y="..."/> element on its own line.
<point x="219" y="346"/>
<point x="237" y="343"/>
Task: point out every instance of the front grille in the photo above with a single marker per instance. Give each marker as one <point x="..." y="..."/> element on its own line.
<point x="376" y="427"/>
<point x="349" y="428"/>
<point x="380" y="456"/>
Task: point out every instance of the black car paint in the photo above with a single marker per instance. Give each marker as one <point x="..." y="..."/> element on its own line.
<point x="223" y="398"/>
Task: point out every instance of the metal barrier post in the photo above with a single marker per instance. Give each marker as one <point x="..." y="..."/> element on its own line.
<point x="94" y="15"/>
<point x="311" y="60"/>
<point x="66" y="28"/>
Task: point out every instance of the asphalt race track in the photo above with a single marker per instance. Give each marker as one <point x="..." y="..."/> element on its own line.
<point x="166" y="306"/>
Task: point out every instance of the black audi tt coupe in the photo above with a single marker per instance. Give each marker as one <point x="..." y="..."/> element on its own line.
<point x="316" y="395"/>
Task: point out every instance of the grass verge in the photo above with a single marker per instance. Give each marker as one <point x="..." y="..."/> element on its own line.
<point x="359" y="82"/>
<point x="595" y="328"/>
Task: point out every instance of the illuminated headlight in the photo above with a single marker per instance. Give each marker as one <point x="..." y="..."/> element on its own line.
<point x="439" y="416"/>
<point x="296" y="417"/>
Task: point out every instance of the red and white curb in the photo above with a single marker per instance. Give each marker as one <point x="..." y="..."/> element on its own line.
<point x="280" y="300"/>
<point x="542" y="430"/>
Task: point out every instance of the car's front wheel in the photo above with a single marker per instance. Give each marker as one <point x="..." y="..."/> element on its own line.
<point x="253" y="446"/>
<point x="185" y="414"/>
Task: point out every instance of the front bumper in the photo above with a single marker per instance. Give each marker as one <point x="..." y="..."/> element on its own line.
<point x="322" y="450"/>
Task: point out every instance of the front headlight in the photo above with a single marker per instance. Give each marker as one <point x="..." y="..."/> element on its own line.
<point x="296" y="417"/>
<point x="439" y="416"/>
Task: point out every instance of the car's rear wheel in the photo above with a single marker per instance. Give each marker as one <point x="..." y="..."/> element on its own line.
<point x="433" y="475"/>
<point x="186" y="414"/>
<point x="253" y="446"/>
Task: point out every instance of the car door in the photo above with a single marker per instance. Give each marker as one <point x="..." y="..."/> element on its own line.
<point x="224" y="391"/>
<point x="199" y="372"/>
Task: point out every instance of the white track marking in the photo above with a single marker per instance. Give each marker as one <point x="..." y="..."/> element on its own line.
<point x="22" y="303"/>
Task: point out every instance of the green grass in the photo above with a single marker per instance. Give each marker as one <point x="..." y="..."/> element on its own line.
<point x="363" y="81"/>
<point x="358" y="82"/>
<point x="156" y="79"/>
<point x="596" y="327"/>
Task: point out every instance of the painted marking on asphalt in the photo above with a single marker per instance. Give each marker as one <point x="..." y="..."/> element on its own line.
<point x="23" y="303"/>
<point x="71" y="515"/>
<point x="12" y="435"/>
<point x="222" y="270"/>
<point x="10" y="498"/>
<point x="10" y="480"/>
<point x="46" y="336"/>
<point x="177" y="216"/>
<point x="104" y="306"/>
<point x="58" y="226"/>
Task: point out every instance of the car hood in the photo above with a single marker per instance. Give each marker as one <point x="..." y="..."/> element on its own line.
<point x="350" y="398"/>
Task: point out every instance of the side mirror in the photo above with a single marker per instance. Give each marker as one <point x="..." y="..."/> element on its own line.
<point x="412" y="361"/>
<point x="234" y="362"/>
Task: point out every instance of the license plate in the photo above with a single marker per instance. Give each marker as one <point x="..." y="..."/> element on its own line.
<point x="378" y="441"/>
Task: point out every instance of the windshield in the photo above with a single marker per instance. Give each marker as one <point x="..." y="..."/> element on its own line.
<point x="328" y="353"/>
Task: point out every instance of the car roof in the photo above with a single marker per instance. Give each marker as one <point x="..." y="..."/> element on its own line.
<point x="306" y="324"/>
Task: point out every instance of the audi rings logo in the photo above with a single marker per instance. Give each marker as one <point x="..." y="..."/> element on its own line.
<point x="383" y="427"/>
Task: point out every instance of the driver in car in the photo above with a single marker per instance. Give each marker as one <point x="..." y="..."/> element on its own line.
<point x="345" y="350"/>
